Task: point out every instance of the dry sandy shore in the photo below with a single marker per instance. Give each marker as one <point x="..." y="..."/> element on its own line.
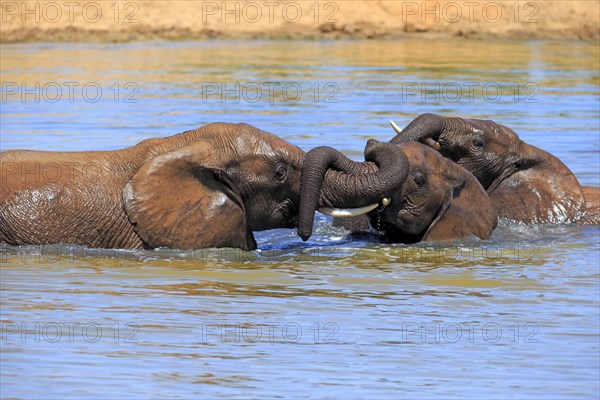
<point x="122" y="21"/>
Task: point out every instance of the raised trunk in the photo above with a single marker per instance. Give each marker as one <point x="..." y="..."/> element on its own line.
<point x="422" y="127"/>
<point x="330" y="179"/>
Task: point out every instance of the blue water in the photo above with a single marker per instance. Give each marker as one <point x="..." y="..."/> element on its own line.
<point x="513" y="317"/>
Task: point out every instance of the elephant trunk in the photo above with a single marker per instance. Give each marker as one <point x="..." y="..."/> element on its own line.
<point x="330" y="179"/>
<point x="423" y="127"/>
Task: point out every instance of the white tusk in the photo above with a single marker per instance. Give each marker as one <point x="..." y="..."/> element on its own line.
<point x="432" y="143"/>
<point x="396" y="127"/>
<point x="353" y="212"/>
<point x="347" y="212"/>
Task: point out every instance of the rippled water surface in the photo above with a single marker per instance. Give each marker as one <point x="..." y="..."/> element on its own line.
<point x="516" y="316"/>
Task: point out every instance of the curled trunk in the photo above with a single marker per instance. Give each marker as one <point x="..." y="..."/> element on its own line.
<point x="422" y="127"/>
<point x="330" y="179"/>
<point x="427" y="129"/>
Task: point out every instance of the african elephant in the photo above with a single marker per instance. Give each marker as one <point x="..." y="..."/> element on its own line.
<point x="435" y="199"/>
<point x="524" y="182"/>
<point x="208" y="187"/>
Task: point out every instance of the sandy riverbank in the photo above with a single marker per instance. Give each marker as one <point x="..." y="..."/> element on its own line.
<point x="109" y="21"/>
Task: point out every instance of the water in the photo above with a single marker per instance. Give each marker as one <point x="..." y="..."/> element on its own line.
<point x="516" y="316"/>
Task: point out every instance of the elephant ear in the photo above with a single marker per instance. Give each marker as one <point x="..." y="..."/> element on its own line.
<point x="466" y="211"/>
<point x="182" y="199"/>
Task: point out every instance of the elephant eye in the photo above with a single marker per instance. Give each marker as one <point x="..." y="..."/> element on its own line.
<point x="419" y="179"/>
<point x="280" y="171"/>
<point x="478" y="142"/>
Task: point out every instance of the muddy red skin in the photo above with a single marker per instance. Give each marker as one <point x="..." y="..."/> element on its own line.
<point x="525" y="183"/>
<point x="209" y="187"/>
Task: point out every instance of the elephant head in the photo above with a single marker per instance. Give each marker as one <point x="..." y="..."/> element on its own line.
<point x="525" y="183"/>
<point x="213" y="192"/>
<point x="208" y="187"/>
<point x="425" y="196"/>
<point x="440" y="201"/>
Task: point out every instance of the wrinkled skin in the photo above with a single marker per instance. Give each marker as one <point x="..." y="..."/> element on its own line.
<point x="436" y="200"/>
<point x="524" y="183"/>
<point x="209" y="187"/>
<point x="331" y="179"/>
